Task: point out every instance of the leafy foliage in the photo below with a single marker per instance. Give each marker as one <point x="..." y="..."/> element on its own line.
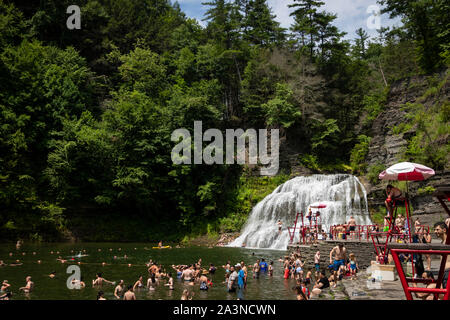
<point x="86" y="115"/>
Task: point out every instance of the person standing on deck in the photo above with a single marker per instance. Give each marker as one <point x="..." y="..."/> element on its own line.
<point x="351" y="226"/>
<point x="417" y="228"/>
<point x="317" y="263"/>
<point x="440" y="229"/>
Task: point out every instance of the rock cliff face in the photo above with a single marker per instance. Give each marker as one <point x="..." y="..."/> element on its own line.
<point x="386" y="148"/>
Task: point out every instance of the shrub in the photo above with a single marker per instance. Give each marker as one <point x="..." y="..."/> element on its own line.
<point x="374" y="171"/>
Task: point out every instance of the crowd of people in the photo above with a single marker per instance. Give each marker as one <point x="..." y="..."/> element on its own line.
<point x="198" y="276"/>
<point x="311" y="281"/>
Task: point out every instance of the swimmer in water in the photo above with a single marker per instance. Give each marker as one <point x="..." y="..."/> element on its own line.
<point x="129" y="295"/>
<point x="78" y="283"/>
<point x="61" y="260"/>
<point x="188" y="273"/>
<point x="138" y="283"/>
<point x="119" y="290"/>
<point x="186" y="295"/>
<point x="151" y="282"/>
<point x="100" y="296"/>
<point x="5" y="286"/>
<point x="52" y="274"/>
<point x="204" y="282"/>
<point x="6" y="296"/>
<point x="29" y="285"/>
<point x="170" y="282"/>
<point x="15" y="264"/>
<point x="2" y="264"/>
<point x="99" y="281"/>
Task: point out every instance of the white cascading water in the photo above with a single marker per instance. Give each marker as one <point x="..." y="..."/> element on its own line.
<point x="343" y="195"/>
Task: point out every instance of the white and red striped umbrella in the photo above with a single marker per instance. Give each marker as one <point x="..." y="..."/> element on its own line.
<point x="407" y="171"/>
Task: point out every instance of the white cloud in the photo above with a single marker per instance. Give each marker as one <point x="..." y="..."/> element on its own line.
<point x="351" y="14"/>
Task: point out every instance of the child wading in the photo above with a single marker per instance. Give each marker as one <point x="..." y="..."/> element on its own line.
<point x="353" y="265"/>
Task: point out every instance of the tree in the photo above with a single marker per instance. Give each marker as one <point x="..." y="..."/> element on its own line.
<point x="223" y="22"/>
<point x="280" y="111"/>
<point x="259" y="25"/>
<point x="360" y="48"/>
<point x="427" y="21"/>
<point x="306" y="17"/>
<point x="40" y="87"/>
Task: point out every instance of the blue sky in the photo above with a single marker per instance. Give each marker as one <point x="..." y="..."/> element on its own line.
<point x="352" y="14"/>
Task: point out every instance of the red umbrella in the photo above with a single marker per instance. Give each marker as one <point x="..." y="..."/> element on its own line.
<point x="407" y="171"/>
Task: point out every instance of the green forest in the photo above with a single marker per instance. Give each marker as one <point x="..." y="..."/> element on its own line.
<point x="86" y="115"/>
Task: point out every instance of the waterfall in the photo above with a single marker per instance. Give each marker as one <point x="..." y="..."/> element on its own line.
<point x="343" y="195"/>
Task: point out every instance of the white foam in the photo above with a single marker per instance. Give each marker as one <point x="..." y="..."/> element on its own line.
<point x="343" y="194"/>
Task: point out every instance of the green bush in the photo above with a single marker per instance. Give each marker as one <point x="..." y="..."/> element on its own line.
<point x="426" y="190"/>
<point x="310" y="161"/>
<point x="374" y="171"/>
<point x="359" y="154"/>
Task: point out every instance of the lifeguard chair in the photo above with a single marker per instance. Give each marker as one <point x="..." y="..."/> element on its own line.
<point x="314" y="224"/>
<point x="404" y="171"/>
<point x="291" y="230"/>
<point x="381" y="240"/>
<point x="442" y="193"/>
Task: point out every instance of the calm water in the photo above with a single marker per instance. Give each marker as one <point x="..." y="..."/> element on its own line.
<point x="138" y="254"/>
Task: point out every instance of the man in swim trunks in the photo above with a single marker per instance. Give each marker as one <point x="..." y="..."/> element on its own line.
<point x="340" y="256"/>
<point x="317" y="263"/>
<point x="280" y="226"/>
<point x="392" y="194"/>
<point x="351" y="226"/>
<point x="440" y="229"/>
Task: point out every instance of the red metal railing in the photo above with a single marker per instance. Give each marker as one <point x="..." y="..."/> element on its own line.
<point x="362" y="232"/>
<point x="423" y="229"/>
<point x="405" y="281"/>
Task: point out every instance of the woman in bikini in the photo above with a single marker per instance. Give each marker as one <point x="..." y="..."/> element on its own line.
<point x="138" y="283"/>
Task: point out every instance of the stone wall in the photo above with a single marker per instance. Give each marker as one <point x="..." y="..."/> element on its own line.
<point x="364" y="252"/>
